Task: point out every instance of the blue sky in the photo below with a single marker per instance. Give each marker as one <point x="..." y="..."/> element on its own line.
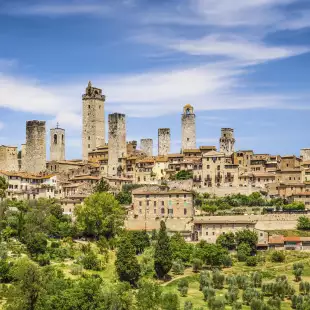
<point x="241" y="64"/>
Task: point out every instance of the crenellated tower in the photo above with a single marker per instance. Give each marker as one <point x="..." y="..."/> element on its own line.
<point x="227" y="141"/>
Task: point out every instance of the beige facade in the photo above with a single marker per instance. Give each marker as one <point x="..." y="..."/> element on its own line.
<point x="8" y="158"/>
<point x="151" y="204"/>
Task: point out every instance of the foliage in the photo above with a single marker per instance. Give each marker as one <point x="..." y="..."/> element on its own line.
<point x="170" y="301"/>
<point x="184" y="175"/>
<point x="163" y="253"/>
<point x="243" y="252"/>
<point x="231" y="295"/>
<point x="227" y="240"/>
<point x="148" y="295"/>
<point x="5" y="268"/>
<point x="140" y="240"/>
<point x="180" y="248"/>
<point x="147" y="262"/>
<point x="248" y="237"/>
<point x="43" y="259"/>
<point x="188" y="305"/>
<point x="218" y="279"/>
<point x="124" y="198"/>
<point x="127" y="266"/>
<point x="251" y="261"/>
<point x="211" y="209"/>
<point x="177" y="267"/>
<point x="303" y="223"/>
<point x="102" y="186"/>
<point x="257" y="279"/>
<point x="277" y="257"/>
<point x="197" y="264"/>
<point x="183" y="287"/>
<point x="294" y="206"/>
<point x="3" y="187"/>
<point x="91" y="261"/>
<point x="298" y="270"/>
<point x="37" y="244"/>
<point x="249" y="294"/>
<point x="208" y="293"/>
<point x="210" y="254"/>
<point x="100" y="215"/>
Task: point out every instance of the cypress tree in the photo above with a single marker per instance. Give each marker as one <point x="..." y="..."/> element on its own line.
<point x="163" y="253"/>
<point x="127" y="266"/>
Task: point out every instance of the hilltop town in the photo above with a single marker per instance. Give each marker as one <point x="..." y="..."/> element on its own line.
<point x="167" y="182"/>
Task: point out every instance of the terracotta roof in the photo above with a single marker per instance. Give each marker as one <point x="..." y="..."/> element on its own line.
<point x="86" y="177"/>
<point x="214" y="153"/>
<point x="301" y="194"/>
<point x="276" y="239"/>
<point x="175" y="155"/>
<point x="26" y="175"/>
<point x="140" y="191"/>
<point x="292" y="239"/>
<point x="207" y="147"/>
<point x="192" y="151"/>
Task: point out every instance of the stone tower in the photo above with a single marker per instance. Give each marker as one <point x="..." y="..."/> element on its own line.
<point x="35" y="157"/>
<point x="146" y="146"/>
<point x="305" y="154"/>
<point x="117" y="142"/>
<point x="163" y="141"/>
<point x="227" y="141"/>
<point x="188" y="128"/>
<point x="93" y="119"/>
<point x="57" y="144"/>
<point x="8" y="158"/>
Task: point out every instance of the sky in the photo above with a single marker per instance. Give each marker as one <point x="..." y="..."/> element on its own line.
<point x="240" y="64"/>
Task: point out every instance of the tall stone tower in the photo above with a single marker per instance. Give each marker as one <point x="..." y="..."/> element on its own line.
<point x="164" y="141"/>
<point x="57" y="144"/>
<point x="35" y="157"/>
<point x="8" y="158"/>
<point x="23" y="157"/>
<point x="146" y="146"/>
<point x="93" y="119"/>
<point x="305" y="154"/>
<point x="188" y="128"/>
<point x="227" y="141"/>
<point x="117" y="142"/>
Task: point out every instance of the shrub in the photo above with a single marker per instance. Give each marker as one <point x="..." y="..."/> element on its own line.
<point x="243" y="252"/>
<point x="177" y="267"/>
<point x="208" y="292"/>
<point x="251" y="261"/>
<point x="90" y="261"/>
<point x="218" y="279"/>
<point x="43" y="259"/>
<point x="183" y="291"/>
<point x="76" y="270"/>
<point x="237" y="305"/>
<point x="188" y="305"/>
<point x="277" y="257"/>
<point x="182" y="283"/>
<point x="227" y="261"/>
<point x="197" y="264"/>
<point x="170" y="301"/>
<point x="204" y="280"/>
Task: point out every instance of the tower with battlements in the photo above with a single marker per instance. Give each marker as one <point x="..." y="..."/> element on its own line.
<point x="117" y="142"/>
<point x="93" y="120"/>
<point x="227" y="141"/>
<point x="146" y="146"/>
<point x="57" y="144"/>
<point x="188" y="128"/>
<point x="35" y="157"/>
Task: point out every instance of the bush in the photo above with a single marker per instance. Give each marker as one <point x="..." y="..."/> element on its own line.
<point x="243" y="252"/>
<point x="277" y="257"/>
<point x="90" y="261"/>
<point x="43" y="259"/>
<point x="251" y="261"/>
<point x="204" y="280"/>
<point x="183" y="291"/>
<point x="76" y="270"/>
<point x="37" y="244"/>
<point x="182" y="283"/>
<point x="170" y="301"/>
<point x="188" y="305"/>
<point x="177" y="267"/>
<point x="208" y="293"/>
<point x="197" y="264"/>
<point x="227" y="261"/>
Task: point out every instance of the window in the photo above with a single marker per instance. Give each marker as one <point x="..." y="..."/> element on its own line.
<point x="55" y="139"/>
<point x="187" y="139"/>
<point x="154" y="211"/>
<point x="177" y="196"/>
<point x="208" y="166"/>
<point x="154" y="203"/>
<point x="140" y="203"/>
<point x="148" y="203"/>
<point x="89" y="146"/>
<point x="184" y="195"/>
<point x="162" y="210"/>
<point x="185" y="211"/>
<point x="170" y="211"/>
<point x="88" y="137"/>
<point x="162" y="203"/>
<point x="213" y="233"/>
<point x="207" y="233"/>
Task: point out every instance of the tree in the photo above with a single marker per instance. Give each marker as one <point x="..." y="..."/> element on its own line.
<point x="183" y="287"/>
<point x="218" y="279"/>
<point x="90" y="261"/>
<point x="180" y="248"/>
<point x="243" y="252"/>
<point x="170" y="301"/>
<point x="140" y="240"/>
<point x="177" y="267"/>
<point x="37" y="244"/>
<point x="188" y="305"/>
<point x="227" y="241"/>
<point x="277" y="257"/>
<point x="3" y="187"/>
<point x="127" y="266"/>
<point x="247" y="236"/>
<point x="163" y="253"/>
<point x="124" y="198"/>
<point x="303" y="223"/>
<point x="197" y="264"/>
<point x="251" y="261"/>
<point x="102" y="186"/>
<point x="184" y="175"/>
<point x="210" y="254"/>
<point x="100" y="215"/>
<point x="148" y="295"/>
<point x="209" y="208"/>
<point x="298" y="269"/>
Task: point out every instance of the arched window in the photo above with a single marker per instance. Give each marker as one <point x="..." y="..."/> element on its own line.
<point x="62" y="139"/>
<point x="55" y="139"/>
<point x="188" y="111"/>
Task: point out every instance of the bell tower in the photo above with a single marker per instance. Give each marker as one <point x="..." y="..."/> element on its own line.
<point x="188" y="128"/>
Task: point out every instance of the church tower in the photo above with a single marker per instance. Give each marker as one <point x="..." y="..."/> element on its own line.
<point x="93" y="119"/>
<point x="57" y="144"/>
<point x="188" y="128"/>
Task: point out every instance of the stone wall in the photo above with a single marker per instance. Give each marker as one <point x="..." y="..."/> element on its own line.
<point x="227" y="141"/>
<point x="117" y="142"/>
<point x="305" y="154"/>
<point x="93" y="120"/>
<point x="188" y="130"/>
<point x="146" y="146"/>
<point x="57" y="144"/>
<point x="35" y="161"/>
<point x="222" y="191"/>
<point x="163" y="141"/>
<point x="8" y="158"/>
<point x="186" y="185"/>
<point x="23" y="157"/>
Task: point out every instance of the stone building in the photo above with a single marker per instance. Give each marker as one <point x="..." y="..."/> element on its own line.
<point x="8" y="158"/>
<point x="188" y="128"/>
<point x="146" y="146"/>
<point x="227" y="141"/>
<point x="23" y="157"/>
<point x="93" y="119"/>
<point x="164" y="141"/>
<point x="57" y="144"/>
<point x="117" y="142"/>
<point x="151" y="203"/>
<point x="305" y="154"/>
<point x="35" y="160"/>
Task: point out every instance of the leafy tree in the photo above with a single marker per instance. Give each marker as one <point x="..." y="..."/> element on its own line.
<point x="100" y="215"/>
<point x="90" y="261"/>
<point x="170" y="301"/>
<point x="163" y="253"/>
<point x="216" y="304"/>
<point x="180" y="248"/>
<point x="148" y="295"/>
<point x="249" y="294"/>
<point x="197" y="264"/>
<point x="294" y="206"/>
<point x="232" y="294"/>
<point x="204" y="280"/>
<point x="256" y="304"/>
<point x="247" y="236"/>
<point x="243" y="252"/>
<point x="127" y="266"/>
<point x="251" y="261"/>
<point x="208" y="293"/>
<point x="37" y="244"/>
<point x="209" y="208"/>
<point x="218" y="279"/>
<point x="298" y="269"/>
<point x="147" y="262"/>
<point x="227" y="241"/>
<point x="184" y="175"/>
<point x="188" y="305"/>
<point x="257" y="279"/>
<point x="277" y="257"/>
<point x="177" y="267"/>
<point x="102" y="186"/>
<point x="210" y="254"/>
<point x="140" y="240"/>
<point x="303" y="223"/>
<point x="3" y="187"/>
<point x="274" y="303"/>
<point x="237" y="305"/>
<point x="5" y="268"/>
<point x="124" y="198"/>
